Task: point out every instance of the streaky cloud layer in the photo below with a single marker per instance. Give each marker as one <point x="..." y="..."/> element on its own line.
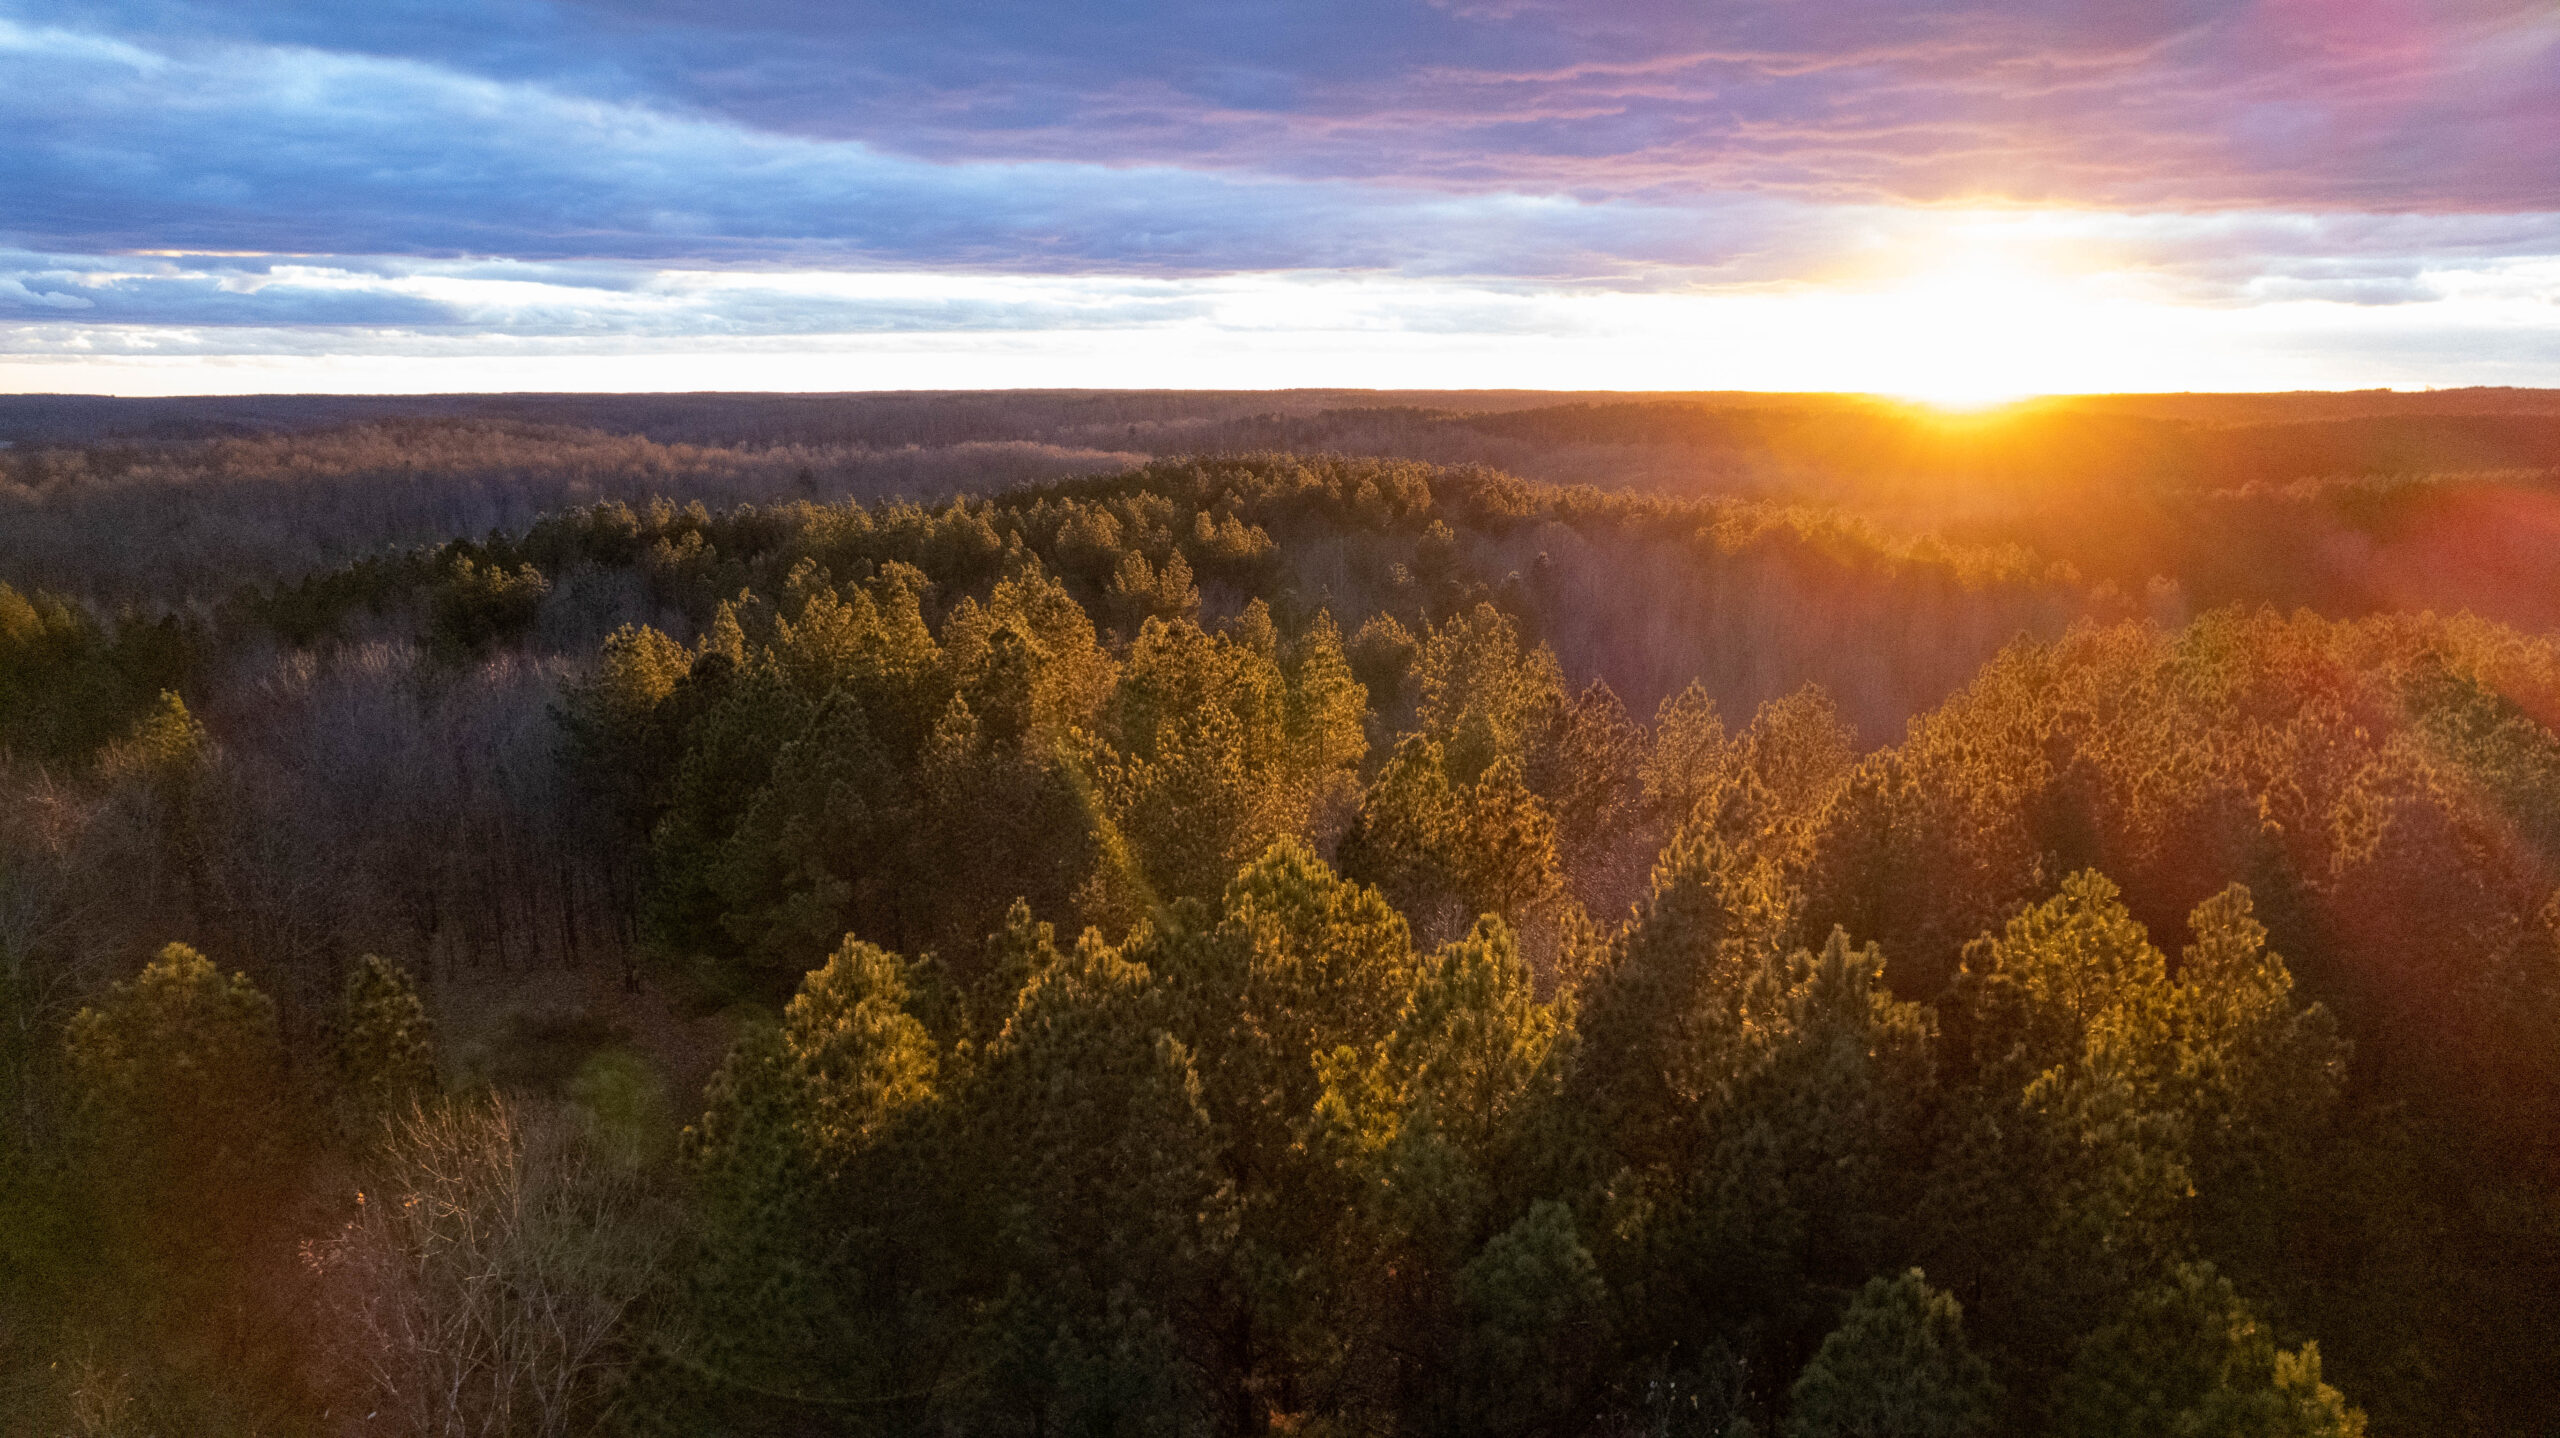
<point x="559" y="177"/>
<point x="2385" y="104"/>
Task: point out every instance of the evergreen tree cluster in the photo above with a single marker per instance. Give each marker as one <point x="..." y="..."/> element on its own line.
<point x="1202" y="951"/>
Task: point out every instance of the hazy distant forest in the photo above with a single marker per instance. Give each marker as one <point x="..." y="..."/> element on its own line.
<point x="1320" y="913"/>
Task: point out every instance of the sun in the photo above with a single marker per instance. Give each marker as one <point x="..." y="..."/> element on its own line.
<point x="1977" y="334"/>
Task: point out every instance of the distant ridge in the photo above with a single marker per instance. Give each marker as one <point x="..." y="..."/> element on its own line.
<point x="931" y="417"/>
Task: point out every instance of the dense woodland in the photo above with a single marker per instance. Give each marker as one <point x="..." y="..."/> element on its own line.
<point x="1185" y="923"/>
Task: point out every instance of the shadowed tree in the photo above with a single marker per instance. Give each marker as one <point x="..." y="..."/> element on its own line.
<point x="186" y="1137"/>
<point x="2188" y="1360"/>
<point x="386" y="1043"/>
<point x="803" y="1291"/>
<point x="1536" y="1329"/>
<point x="1107" y="1222"/>
<point x="1437" y="1127"/>
<point x="1898" y="1366"/>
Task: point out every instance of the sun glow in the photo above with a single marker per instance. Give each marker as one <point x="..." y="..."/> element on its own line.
<point x="1985" y="330"/>
<point x="1959" y="312"/>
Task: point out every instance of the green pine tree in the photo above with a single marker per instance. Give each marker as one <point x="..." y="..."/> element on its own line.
<point x="1898" y="1366"/>
<point x="386" y="1042"/>
<point x="2187" y="1359"/>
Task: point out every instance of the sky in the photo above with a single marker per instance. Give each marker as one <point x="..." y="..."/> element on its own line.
<point x="1952" y="201"/>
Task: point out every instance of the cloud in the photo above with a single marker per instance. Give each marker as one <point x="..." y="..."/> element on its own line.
<point x="1251" y="331"/>
<point x="15" y="293"/>
<point x="556" y="178"/>
<point x="117" y="147"/>
<point x="2307" y="104"/>
<point x="228" y="146"/>
<point x="2233" y="259"/>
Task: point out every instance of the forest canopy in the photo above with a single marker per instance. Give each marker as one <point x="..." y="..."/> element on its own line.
<point x="507" y="928"/>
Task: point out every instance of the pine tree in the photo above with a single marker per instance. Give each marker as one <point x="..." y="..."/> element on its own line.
<point x="386" y="1043"/>
<point x="1585" y="767"/>
<point x="1818" y="1160"/>
<point x="1898" y="1366"/>
<point x="1799" y="749"/>
<point x="179" y="1077"/>
<point x="809" y="858"/>
<point x="1479" y="693"/>
<point x="1687" y="757"/>
<point x="1404" y="829"/>
<point x="181" y="1108"/>
<point x="1195" y="763"/>
<point x="167" y="746"/>
<point x="1434" y="1127"/>
<point x="1304" y="972"/>
<point x="2259" y="1077"/>
<point x="1503" y="850"/>
<point x="1536" y="1310"/>
<point x="1447" y="848"/>
<point x="2187" y="1359"/>
<point x="1327" y="705"/>
<point x="1107" y="1218"/>
<point x="863" y="1060"/>
<point x="1381" y="657"/>
<point x="1662" y="1041"/>
<point x="808" y="1282"/>
<point x="2067" y="1182"/>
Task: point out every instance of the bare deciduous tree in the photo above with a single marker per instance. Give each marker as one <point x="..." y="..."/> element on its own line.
<point x="490" y="1282"/>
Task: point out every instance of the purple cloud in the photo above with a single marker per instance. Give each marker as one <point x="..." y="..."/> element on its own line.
<point x="2355" y="104"/>
<point x="531" y="168"/>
